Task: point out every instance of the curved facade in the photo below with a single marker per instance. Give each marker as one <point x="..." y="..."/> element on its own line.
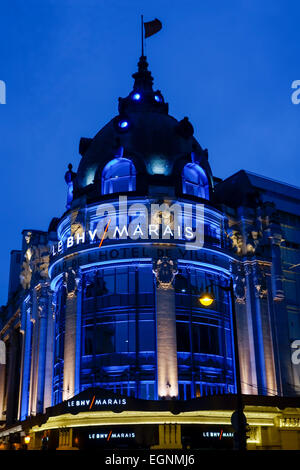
<point x="134" y="305"/>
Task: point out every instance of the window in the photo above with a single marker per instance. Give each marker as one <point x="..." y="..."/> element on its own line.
<point x="147" y="391"/>
<point x="205" y="339"/>
<point x="119" y="175"/>
<point x="146" y="335"/>
<point x="183" y="337"/>
<point x="194" y="181"/>
<point x="185" y="392"/>
<point x="145" y="279"/>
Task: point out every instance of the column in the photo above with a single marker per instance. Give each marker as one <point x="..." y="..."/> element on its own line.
<point x="2" y="378"/>
<point x="78" y="333"/>
<point x="244" y="327"/>
<point x="260" y="273"/>
<point x="26" y="329"/>
<point x="13" y="378"/>
<point x="257" y="332"/>
<point x="66" y="439"/>
<point x="169" y="437"/>
<point x="167" y="370"/>
<point x="279" y="316"/>
<point x="70" y="335"/>
<point x="49" y="351"/>
<point x="34" y="352"/>
<point x="42" y="319"/>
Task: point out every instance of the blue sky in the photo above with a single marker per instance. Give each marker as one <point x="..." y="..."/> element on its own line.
<point x="228" y="66"/>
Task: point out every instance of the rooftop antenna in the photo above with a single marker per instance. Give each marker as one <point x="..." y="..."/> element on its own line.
<point x="142" y="25"/>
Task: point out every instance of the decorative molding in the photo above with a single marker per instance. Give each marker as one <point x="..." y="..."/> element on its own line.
<point x="289" y="422"/>
<point x="260" y="281"/>
<point x="165" y="270"/>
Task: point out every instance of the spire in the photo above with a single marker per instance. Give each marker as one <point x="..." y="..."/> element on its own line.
<point x="143" y="79"/>
<point x="143" y="97"/>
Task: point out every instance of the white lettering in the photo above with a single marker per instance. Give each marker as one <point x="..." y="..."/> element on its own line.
<point x="92" y="234"/>
<point x="189" y="233"/>
<point x="70" y="242"/>
<point x="80" y="238"/>
<point x="120" y="232"/>
<point x="153" y="228"/>
<point x="167" y="231"/>
<point x="137" y="231"/>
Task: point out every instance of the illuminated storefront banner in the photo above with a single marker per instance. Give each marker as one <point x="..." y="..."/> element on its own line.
<point x="151" y="221"/>
<point x="217" y="434"/>
<point x="95" y="402"/>
<point x="98" y="399"/>
<point x="107" y="436"/>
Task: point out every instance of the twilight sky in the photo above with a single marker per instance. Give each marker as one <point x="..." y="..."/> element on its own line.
<point x="228" y="66"/>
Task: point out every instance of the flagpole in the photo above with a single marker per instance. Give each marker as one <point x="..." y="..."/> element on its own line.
<point x="142" y="20"/>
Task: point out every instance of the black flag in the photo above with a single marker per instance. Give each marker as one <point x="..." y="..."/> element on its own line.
<point x="152" y="27"/>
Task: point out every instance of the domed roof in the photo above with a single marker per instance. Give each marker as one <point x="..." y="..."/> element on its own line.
<point x="146" y="133"/>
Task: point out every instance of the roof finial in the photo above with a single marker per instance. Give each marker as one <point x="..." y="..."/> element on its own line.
<point x="142" y="78"/>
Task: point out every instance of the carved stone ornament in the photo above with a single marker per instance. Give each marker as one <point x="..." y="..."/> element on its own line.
<point x="236" y="239"/>
<point x="165" y="270"/>
<point x="253" y="239"/>
<point x="71" y="281"/>
<point x="35" y="265"/>
<point x="260" y="281"/>
<point x="238" y="276"/>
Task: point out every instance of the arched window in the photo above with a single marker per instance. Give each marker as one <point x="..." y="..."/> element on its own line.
<point x="119" y="175"/>
<point x="194" y="181"/>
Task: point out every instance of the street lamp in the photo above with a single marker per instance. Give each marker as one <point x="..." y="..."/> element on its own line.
<point x="238" y="419"/>
<point x="206" y="299"/>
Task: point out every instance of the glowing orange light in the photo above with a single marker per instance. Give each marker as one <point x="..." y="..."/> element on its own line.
<point x="100" y="244"/>
<point x="206" y="299"/>
<point x="27" y="439"/>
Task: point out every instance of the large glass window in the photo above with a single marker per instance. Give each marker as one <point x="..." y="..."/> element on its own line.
<point x="118" y="330"/>
<point x="194" y="181"/>
<point x="105" y="338"/>
<point x="205" y="339"/>
<point x="183" y="337"/>
<point x="147" y="334"/>
<point x="119" y="175"/>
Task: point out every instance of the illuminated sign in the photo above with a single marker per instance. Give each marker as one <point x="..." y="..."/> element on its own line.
<point x="95" y="402"/>
<point x="176" y="221"/>
<point x="111" y="435"/>
<point x="217" y="434"/>
<point x="120" y="233"/>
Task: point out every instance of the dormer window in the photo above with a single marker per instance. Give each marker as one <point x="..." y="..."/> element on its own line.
<point x="119" y="175"/>
<point x="194" y="181"/>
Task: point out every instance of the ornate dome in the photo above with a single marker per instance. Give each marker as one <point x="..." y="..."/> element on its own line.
<point x="143" y="131"/>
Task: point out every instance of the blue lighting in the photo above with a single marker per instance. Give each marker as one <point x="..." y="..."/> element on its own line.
<point x="123" y="124"/>
<point x="157" y="98"/>
<point x="136" y="96"/>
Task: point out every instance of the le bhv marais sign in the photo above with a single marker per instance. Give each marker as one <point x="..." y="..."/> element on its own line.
<point x="157" y="222"/>
<point x="94" y="403"/>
